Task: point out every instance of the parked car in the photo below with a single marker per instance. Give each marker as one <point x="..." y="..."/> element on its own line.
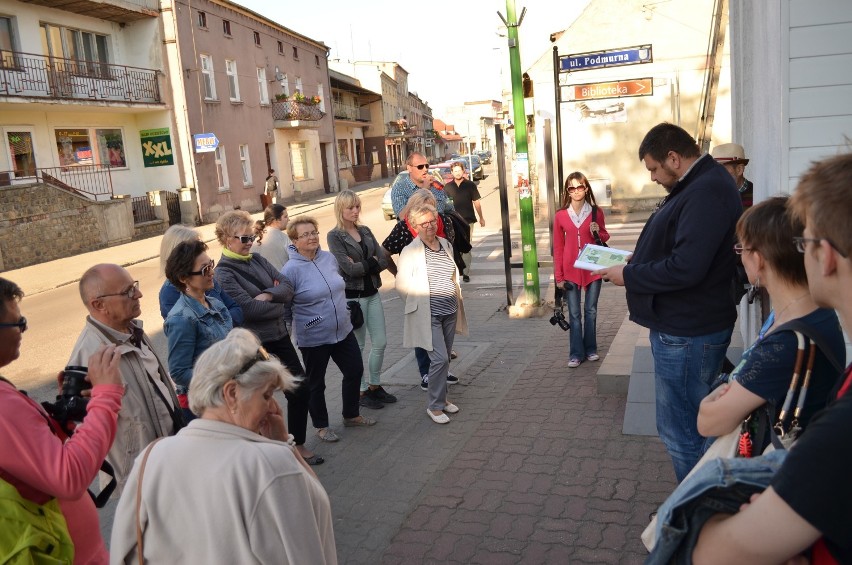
<point x="484" y="156"/>
<point x="474" y="164"/>
<point x="387" y="204"/>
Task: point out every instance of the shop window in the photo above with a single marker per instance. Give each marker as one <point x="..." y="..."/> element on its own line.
<point x="90" y="146"/>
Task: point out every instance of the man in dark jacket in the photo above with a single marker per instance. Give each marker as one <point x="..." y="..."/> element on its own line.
<point x="678" y="282"/>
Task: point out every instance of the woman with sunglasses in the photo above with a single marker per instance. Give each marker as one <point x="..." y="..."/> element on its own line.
<point x="771" y="261"/>
<point x="262" y="292"/>
<point x="577" y="223"/>
<point x="197" y="320"/>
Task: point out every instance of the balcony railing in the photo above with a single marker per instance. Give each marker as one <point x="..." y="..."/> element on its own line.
<point x="93" y="181"/>
<point x="350" y="112"/>
<point x="38" y="76"/>
<point x="290" y="110"/>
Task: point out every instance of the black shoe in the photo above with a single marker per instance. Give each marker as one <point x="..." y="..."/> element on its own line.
<point x="381" y="395"/>
<point x="452" y="379"/>
<point x="370" y="402"/>
<point x="465" y="278"/>
<point x="424" y="382"/>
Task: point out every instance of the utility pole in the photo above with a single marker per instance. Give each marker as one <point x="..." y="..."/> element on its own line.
<point x="520" y="167"/>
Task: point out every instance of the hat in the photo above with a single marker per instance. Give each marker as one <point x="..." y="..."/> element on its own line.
<point x="732" y="153"/>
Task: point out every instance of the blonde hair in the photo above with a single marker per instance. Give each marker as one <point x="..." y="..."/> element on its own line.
<point x="346" y="199"/>
<point x="173" y="237"/>
<point x="229" y="222"/>
<point x="421" y="196"/>
<point x="292" y="233"/>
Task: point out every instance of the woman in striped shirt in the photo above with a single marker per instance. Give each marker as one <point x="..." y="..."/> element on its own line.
<point x="427" y="281"/>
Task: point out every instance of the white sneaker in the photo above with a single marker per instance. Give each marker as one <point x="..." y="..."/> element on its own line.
<point x="450" y="408"/>
<point x="593" y="357"/>
<point x="439" y="419"/>
<point x="573" y="363"/>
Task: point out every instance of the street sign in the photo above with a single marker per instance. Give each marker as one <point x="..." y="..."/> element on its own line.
<point x="602" y="59"/>
<point x="205" y="142"/>
<point x="618" y="89"/>
<point x="156" y="147"/>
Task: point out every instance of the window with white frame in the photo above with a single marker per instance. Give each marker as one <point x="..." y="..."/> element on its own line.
<point x="299" y="85"/>
<point x="89" y="52"/>
<point x="245" y="164"/>
<point x="233" y="81"/>
<point x="90" y="146"/>
<point x="221" y="167"/>
<point x="262" y="88"/>
<point x="299" y="159"/>
<point x="8" y="42"/>
<point x="321" y="94"/>
<point x="207" y="77"/>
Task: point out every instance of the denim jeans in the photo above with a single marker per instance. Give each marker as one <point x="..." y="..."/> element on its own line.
<point x="584" y="339"/>
<point x="374" y="322"/>
<point x="684" y="369"/>
<point x="422" y="357"/>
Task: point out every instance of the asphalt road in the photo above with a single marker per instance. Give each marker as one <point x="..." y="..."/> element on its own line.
<point x="56" y="316"/>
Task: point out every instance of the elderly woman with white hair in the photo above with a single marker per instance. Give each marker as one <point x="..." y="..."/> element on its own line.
<point x="230" y="487"/>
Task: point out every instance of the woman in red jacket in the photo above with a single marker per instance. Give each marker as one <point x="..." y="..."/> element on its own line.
<point x="573" y="227"/>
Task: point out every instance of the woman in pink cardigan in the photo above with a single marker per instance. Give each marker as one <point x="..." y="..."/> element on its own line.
<point x="577" y="223"/>
<point x="35" y="459"/>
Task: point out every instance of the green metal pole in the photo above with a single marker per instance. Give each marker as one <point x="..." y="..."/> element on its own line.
<point x="528" y="243"/>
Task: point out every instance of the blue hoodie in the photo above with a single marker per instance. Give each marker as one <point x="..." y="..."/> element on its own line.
<point x="318" y="312"/>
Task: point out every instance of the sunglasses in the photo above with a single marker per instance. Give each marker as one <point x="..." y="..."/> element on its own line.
<point x="261" y="355"/>
<point x="129" y="293"/>
<point x="576" y="188"/>
<point x="20" y="324"/>
<point x="246" y="238"/>
<point x="206" y="270"/>
<point x="420" y="167"/>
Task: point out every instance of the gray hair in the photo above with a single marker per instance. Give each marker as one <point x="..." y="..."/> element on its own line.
<point x="175" y="235"/>
<point x="222" y="362"/>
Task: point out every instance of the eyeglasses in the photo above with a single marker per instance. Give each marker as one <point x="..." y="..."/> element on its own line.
<point x="425" y="225"/>
<point x="801" y="241"/>
<point x="20" y="324"/>
<point x="308" y="234"/>
<point x="420" y="167"/>
<point x="206" y="270"/>
<point x="261" y="355"/>
<point x="738" y="249"/>
<point x="129" y="293"/>
<point x="246" y="238"/>
<point x="575" y="188"/>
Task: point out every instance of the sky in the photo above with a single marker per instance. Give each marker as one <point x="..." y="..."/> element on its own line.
<point x="451" y="48"/>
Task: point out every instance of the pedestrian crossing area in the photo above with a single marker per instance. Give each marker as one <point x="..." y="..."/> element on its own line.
<point x="488" y="267"/>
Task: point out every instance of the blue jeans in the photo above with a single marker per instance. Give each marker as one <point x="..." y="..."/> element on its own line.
<point x="584" y="339"/>
<point x="684" y="369"/>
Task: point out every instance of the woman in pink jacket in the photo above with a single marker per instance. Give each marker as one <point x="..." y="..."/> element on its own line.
<point x="577" y="223"/>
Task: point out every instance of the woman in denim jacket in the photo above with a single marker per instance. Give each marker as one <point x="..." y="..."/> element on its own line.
<point x="196" y="321"/>
<point x="361" y="260"/>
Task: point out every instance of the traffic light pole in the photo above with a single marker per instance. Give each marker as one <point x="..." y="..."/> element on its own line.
<point x="520" y="168"/>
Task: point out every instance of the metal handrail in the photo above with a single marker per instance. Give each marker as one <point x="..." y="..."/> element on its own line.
<point x="41" y="76"/>
<point x="87" y="180"/>
<point x="293" y="110"/>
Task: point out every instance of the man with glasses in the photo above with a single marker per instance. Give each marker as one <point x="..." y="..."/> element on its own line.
<point x="150" y="407"/>
<point x="418" y="177"/>
<point x="806" y="513"/>
<point x="679" y="283"/>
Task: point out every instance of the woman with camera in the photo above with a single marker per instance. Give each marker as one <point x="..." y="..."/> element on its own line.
<point x="230" y="487"/>
<point x="197" y="320"/>
<point x="323" y="329"/>
<point x="578" y="222"/>
<point x="361" y="260"/>
<point x="38" y="462"/>
<point x="428" y="283"/>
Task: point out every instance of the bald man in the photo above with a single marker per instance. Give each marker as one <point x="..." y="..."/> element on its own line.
<point x="149" y="408"/>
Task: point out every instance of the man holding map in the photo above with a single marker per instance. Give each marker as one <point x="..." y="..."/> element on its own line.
<point x="678" y="282"/>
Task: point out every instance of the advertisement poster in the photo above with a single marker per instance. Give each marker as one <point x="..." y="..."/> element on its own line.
<point x="156" y="147"/>
<point x="521" y="175"/>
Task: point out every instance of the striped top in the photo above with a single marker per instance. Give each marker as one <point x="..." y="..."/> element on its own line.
<point x="440" y="269"/>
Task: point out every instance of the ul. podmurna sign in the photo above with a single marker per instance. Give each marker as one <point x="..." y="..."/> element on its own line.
<point x="609" y="58"/>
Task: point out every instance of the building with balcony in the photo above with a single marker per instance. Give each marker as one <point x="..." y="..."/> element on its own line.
<point x="83" y="100"/>
<point x="359" y="129"/>
<point x="420" y="121"/>
<point x="262" y="90"/>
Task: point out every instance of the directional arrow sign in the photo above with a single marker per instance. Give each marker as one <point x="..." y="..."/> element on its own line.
<point x="619" y="89"/>
<point x="205" y="142"/>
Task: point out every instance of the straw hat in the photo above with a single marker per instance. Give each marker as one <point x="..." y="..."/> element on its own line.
<point x="732" y="153"/>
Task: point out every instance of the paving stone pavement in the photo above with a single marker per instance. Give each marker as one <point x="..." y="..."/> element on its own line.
<point x="533" y="469"/>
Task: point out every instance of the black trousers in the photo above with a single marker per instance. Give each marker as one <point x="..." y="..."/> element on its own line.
<point x="286" y="353"/>
<point x="347" y="356"/>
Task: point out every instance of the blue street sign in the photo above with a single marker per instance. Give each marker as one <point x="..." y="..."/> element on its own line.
<point x="610" y="58"/>
<point x="205" y="142"/>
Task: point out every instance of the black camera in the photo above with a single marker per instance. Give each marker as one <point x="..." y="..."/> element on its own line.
<point x="558" y="317"/>
<point x="70" y="405"/>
